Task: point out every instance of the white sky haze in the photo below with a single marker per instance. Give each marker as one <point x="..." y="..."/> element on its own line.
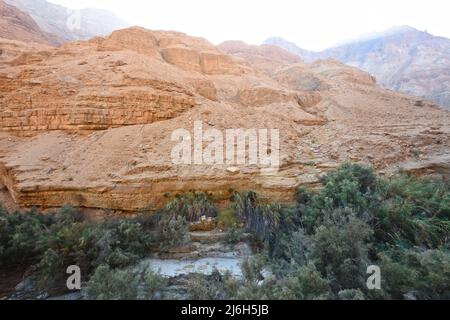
<point x="313" y="25"/>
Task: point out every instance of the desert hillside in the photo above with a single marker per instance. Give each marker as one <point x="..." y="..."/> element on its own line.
<point x="18" y="25"/>
<point x="402" y="59"/>
<point x="69" y="25"/>
<point x="90" y="123"/>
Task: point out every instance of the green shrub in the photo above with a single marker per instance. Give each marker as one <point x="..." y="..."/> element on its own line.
<point x="288" y="251"/>
<point x="23" y="237"/>
<point x="210" y="287"/>
<point x="401" y="210"/>
<point x="260" y="217"/>
<point x="339" y="249"/>
<point x="364" y="177"/>
<point x="351" y="294"/>
<point x="414" y="210"/>
<point x="192" y="206"/>
<point x="416" y="274"/>
<point x="68" y="215"/>
<point x="171" y="231"/>
<point x="88" y="245"/>
<point x="304" y="196"/>
<point x="51" y="268"/>
<point x="252" y="268"/>
<point x="234" y="235"/>
<point x="305" y="284"/>
<point x="347" y="186"/>
<point x="316" y="248"/>
<point x="152" y="284"/>
<point x="53" y="242"/>
<point x="227" y="218"/>
<point x="311" y="284"/>
<point x="110" y="284"/>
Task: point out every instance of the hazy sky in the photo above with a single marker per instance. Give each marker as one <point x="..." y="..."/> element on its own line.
<point x="312" y="24"/>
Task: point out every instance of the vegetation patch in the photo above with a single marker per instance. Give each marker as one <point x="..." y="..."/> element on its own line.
<point x="316" y="248"/>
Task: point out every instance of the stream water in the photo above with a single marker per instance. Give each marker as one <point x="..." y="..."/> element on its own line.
<point x="174" y="268"/>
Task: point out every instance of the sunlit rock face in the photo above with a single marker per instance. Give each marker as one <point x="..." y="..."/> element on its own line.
<point x="90" y="123"/>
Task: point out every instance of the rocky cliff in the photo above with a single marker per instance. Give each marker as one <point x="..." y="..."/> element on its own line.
<point x="66" y="24"/>
<point x="131" y="77"/>
<point x="90" y="123"/>
<point x="291" y="47"/>
<point x="402" y="59"/>
<point x="18" y="25"/>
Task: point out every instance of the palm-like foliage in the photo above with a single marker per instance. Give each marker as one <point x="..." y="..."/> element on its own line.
<point x="260" y="217"/>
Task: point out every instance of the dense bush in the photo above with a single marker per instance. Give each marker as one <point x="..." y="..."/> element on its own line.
<point x="50" y="243"/>
<point x="320" y="248"/>
<point x="234" y="235"/>
<point x="227" y="218"/>
<point x="403" y="209"/>
<point x="416" y="273"/>
<point x="88" y="245"/>
<point x="109" y="284"/>
<point x="192" y="206"/>
<point x="413" y="210"/>
<point x="22" y="236"/>
<point x="171" y="230"/>
<point x="261" y="217"/>
<point x="317" y="248"/>
<point x="212" y="287"/>
<point x="339" y="249"/>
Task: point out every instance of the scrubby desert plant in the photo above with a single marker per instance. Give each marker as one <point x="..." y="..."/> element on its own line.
<point x="260" y="216"/>
<point x="23" y="237"/>
<point x="171" y="231"/>
<point x="339" y="248"/>
<point x="209" y="287"/>
<point x="227" y="218"/>
<point x="234" y="235"/>
<point x="192" y="206"/>
<point x="317" y="248"/>
<point x="358" y="219"/>
<point x="128" y="284"/>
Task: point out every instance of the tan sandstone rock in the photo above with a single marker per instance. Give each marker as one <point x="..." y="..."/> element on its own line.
<point x="90" y="123"/>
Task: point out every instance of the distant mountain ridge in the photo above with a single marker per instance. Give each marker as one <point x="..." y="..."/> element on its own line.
<point x="374" y="35"/>
<point x="18" y="25"/>
<point x="291" y="47"/>
<point x="402" y="59"/>
<point x="67" y="24"/>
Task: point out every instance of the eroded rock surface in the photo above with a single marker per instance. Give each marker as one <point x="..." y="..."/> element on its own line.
<point x="18" y="25"/>
<point x="90" y="123"/>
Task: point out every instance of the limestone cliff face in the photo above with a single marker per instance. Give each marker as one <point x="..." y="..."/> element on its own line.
<point x="266" y="57"/>
<point x="64" y="104"/>
<point x="90" y="123"/>
<point x="132" y="77"/>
